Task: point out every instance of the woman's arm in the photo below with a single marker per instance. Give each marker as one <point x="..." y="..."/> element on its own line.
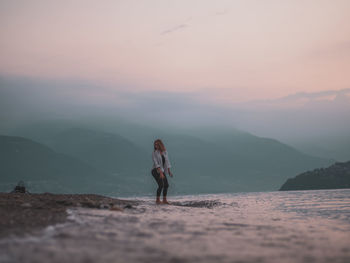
<point x="167" y="162"/>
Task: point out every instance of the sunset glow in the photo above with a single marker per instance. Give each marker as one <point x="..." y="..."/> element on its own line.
<point x="237" y="50"/>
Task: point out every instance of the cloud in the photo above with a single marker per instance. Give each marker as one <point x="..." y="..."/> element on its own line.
<point x="314" y="95"/>
<point x="304" y="97"/>
<point x="25" y="99"/>
<point x="174" y="29"/>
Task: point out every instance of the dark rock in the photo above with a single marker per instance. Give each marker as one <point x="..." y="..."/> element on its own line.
<point x="90" y="204"/>
<point x="65" y="202"/>
<point x="115" y="208"/>
<point x="20" y="188"/>
<point x="105" y="206"/>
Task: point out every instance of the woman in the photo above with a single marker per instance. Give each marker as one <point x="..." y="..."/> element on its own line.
<point x="161" y="165"/>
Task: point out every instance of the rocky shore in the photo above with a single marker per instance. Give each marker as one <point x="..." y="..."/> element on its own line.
<point x="25" y="213"/>
<point x="337" y="176"/>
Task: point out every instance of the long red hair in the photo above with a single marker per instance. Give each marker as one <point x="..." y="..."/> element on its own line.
<point x="161" y="145"/>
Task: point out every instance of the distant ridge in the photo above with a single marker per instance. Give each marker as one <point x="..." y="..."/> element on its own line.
<point x="106" y="151"/>
<point x="47" y="170"/>
<point x="334" y="177"/>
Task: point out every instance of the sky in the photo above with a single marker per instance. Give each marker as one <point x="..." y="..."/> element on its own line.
<point x="275" y="68"/>
<point x="224" y="52"/>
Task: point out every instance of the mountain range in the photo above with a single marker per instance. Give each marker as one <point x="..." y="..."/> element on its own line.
<point x="116" y="158"/>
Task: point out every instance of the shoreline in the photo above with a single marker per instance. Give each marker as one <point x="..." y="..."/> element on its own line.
<point x="23" y="214"/>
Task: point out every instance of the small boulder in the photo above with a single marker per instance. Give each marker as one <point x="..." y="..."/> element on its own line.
<point x="20" y="188"/>
<point x="115" y="208"/>
<point x="105" y="206"/>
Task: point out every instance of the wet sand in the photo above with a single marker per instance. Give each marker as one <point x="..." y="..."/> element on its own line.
<point x="271" y="227"/>
<point x="26" y="213"/>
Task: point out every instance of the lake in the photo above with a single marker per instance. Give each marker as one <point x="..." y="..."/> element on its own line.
<point x="293" y="226"/>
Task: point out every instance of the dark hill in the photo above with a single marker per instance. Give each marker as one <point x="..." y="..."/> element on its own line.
<point x="106" y="151"/>
<point x="334" y="177"/>
<point x="231" y="161"/>
<point x="46" y="170"/>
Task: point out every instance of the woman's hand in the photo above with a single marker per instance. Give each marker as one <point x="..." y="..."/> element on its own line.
<point x="161" y="175"/>
<point x="170" y="174"/>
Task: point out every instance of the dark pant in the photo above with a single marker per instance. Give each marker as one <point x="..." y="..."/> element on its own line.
<point x="162" y="183"/>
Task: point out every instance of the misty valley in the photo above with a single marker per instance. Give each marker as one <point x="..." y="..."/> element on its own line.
<point x="115" y="160"/>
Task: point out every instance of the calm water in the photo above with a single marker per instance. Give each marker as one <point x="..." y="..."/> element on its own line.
<point x="305" y="226"/>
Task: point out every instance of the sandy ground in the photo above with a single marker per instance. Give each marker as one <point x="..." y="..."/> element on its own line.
<point x="25" y="213"/>
<point x="265" y="227"/>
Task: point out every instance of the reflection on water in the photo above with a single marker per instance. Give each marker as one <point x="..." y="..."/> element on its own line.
<point x="303" y="226"/>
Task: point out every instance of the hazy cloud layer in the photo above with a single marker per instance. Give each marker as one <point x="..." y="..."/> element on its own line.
<point x="308" y="114"/>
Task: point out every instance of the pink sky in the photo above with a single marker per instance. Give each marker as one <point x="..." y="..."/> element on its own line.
<point x="229" y="50"/>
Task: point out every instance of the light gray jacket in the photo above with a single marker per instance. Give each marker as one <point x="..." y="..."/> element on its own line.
<point x="157" y="161"/>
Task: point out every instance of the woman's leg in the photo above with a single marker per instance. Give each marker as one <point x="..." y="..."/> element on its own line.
<point x="165" y="187"/>
<point x="165" y="190"/>
<point x="159" y="181"/>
